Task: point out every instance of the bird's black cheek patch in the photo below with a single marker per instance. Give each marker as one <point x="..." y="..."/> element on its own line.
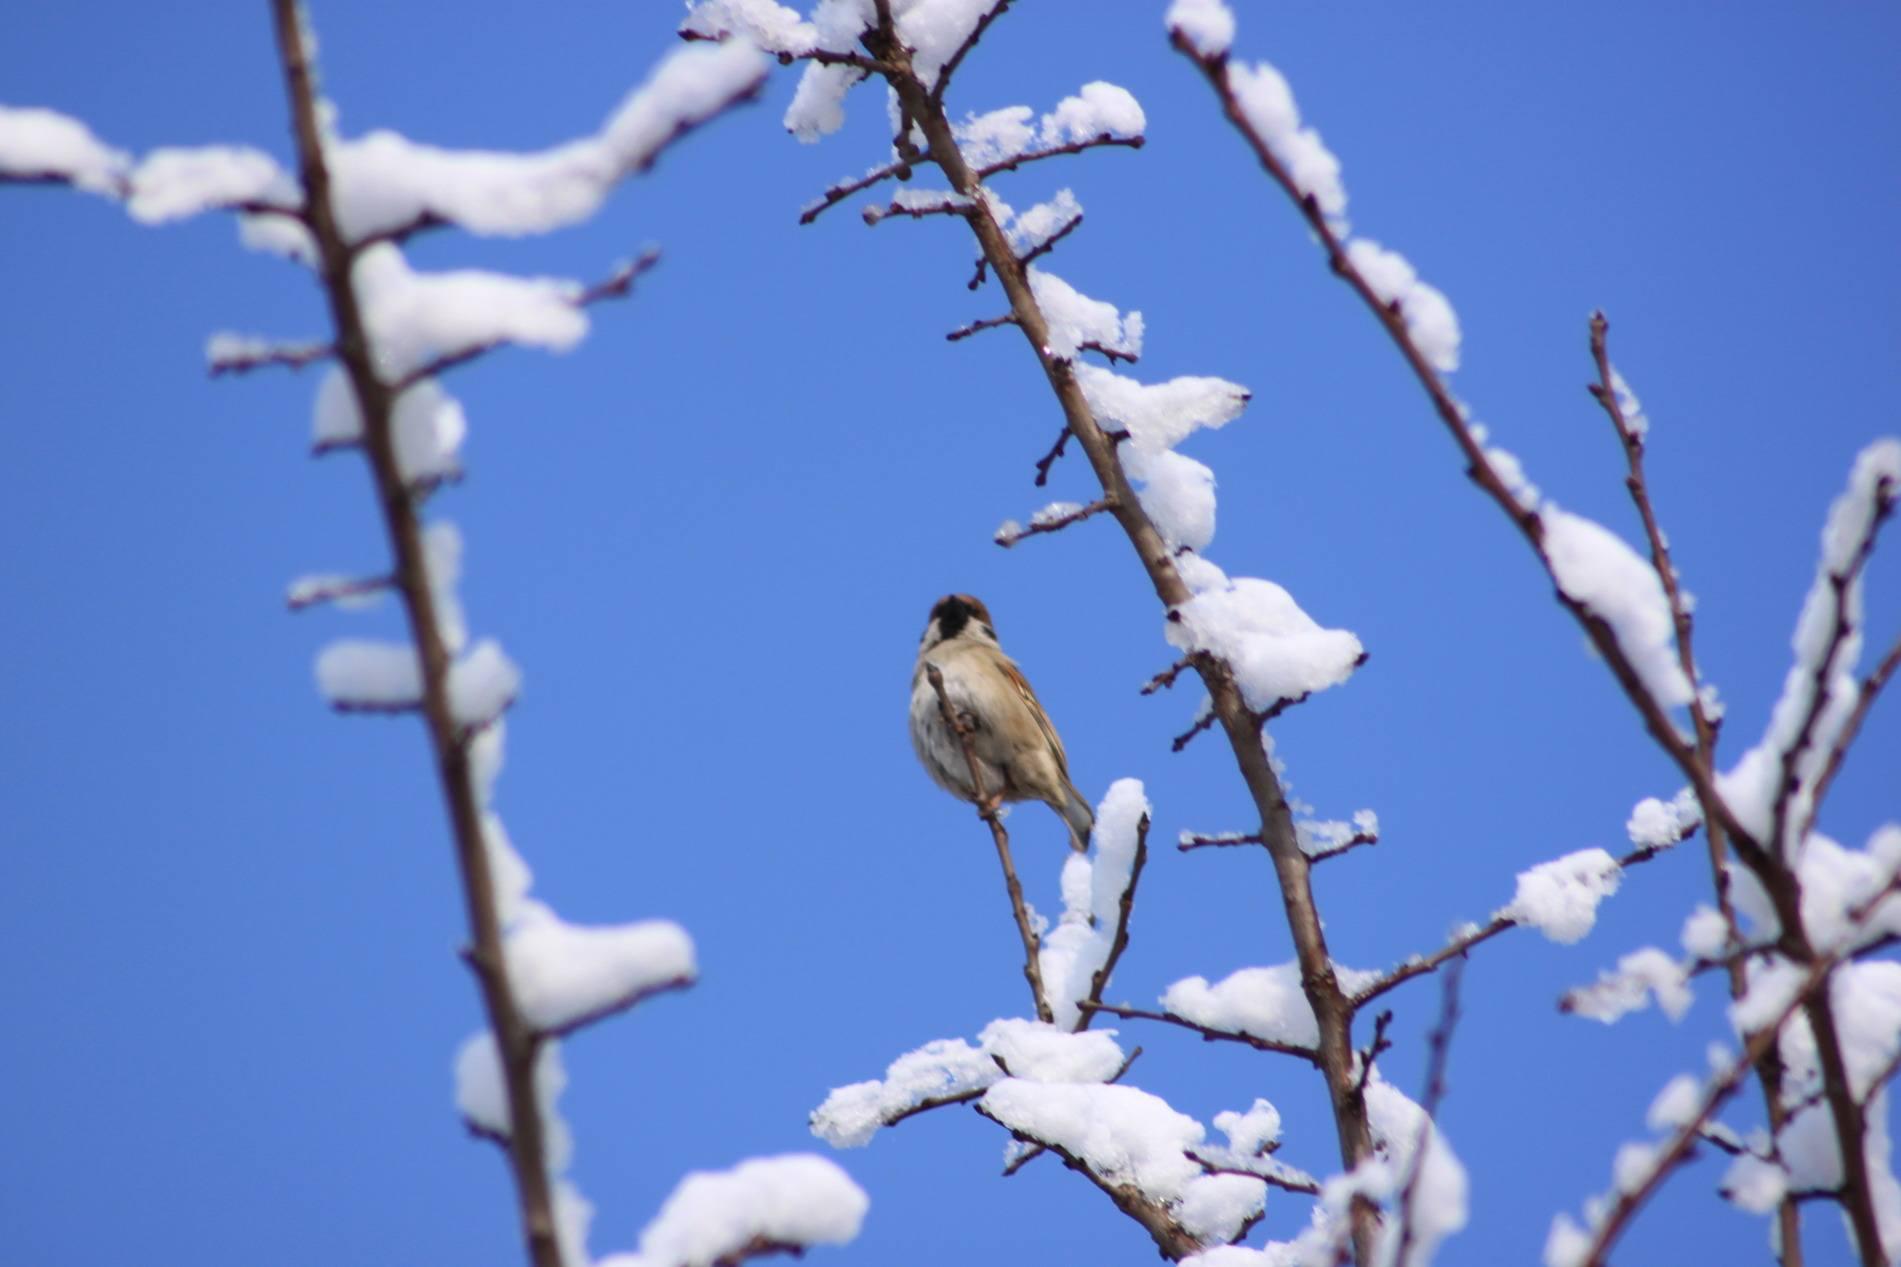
<point x="951" y="615"/>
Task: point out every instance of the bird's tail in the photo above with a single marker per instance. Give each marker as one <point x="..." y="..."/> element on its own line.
<point x="1076" y="812"/>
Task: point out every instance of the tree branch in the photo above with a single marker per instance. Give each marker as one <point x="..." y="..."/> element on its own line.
<point x="1057" y="151"/>
<point x="987" y="810"/>
<point x="1119" y="941"/>
<point x="1007" y="537"/>
<point x="1208" y="1033"/>
<point x="515" y="1043"/>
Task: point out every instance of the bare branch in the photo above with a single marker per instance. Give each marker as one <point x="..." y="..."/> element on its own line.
<point x="1048" y="460"/>
<point x="1208" y="1033"/>
<point x="1119" y="941"/>
<point x="1355" y="841"/>
<point x="1009" y="536"/>
<point x="1439" y="1043"/>
<point x="987" y="810"/>
<point x="288" y="355"/>
<point x="1871" y="687"/>
<point x="901" y="168"/>
<point x="1048" y="244"/>
<point x="1267" y="1170"/>
<point x="956" y="205"/>
<point x="330" y="589"/>
<point x="956" y="58"/>
<point x="1202" y="723"/>
<point x="1057" y="151"/>
<point x="1225" y="840"/>
<point x="987" y="323"/>
<point x="1166" y="678"/>
<point x="1379" y="1046"/>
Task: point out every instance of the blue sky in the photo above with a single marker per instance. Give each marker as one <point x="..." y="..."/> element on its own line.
<point x="711" y="536"/>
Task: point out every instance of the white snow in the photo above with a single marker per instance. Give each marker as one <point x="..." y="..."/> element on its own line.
<point x="1560" y="898"/>
<point x="1635" y="420"/>
<point x="1430" y="321"/>
<point x="482" y="684"/>
<point x="562" y="973"/>
<point x="1705" y="933"/>
<point x="1268" y="104"/>
<point x="1032" y="229"/>
<point x="1034" y="1051"/>
<point x="1266" y="1003"/>
<point x="415" y="317"/>
<point x="1207" y="25"/>
<point x="1596" y="569"/>
<point x="1751" y="787"/>
<point x="1160" y="415"/>
<point x="347" y="592"/>
<point x="1659" y="824"/>
<point x="712" y="1215"/>
<point x="442" y="561"/>
<point x="174" y="183"/>
<point x="1075" y="319"/>
<point x="1276" y="650"/>
<point x="1567" y="1243"/>
<point x="1076" y="949"/>
<point x="1437" y="1206"/>
<point x="818" y="105"/>
<point x="481" y="1094"/>
<point x="508" y="870"/>
<point x="1176" y="492"/>
<point x="40" y="142"/>
<point x="1676" y="1105"/>
<point x="361" y="673"/>
<point x="1321" y="838"/>
<point x="772" y="26"/>
<point x="383" y="181"/>
<point x="1098" y="109"/>
<point x="994" y="137"/>
<point x="1639" y="976"/>
<point x="1127" y="1136"/>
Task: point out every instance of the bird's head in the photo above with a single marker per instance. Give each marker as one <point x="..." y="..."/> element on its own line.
<point x="958" y="616"/>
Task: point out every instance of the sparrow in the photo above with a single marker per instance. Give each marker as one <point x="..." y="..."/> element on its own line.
<point x="1019" y="756"/>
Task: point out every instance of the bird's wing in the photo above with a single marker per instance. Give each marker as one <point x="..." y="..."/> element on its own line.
<point x="1022" y="685"/>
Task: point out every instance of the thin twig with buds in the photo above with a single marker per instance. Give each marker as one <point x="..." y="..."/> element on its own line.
<point x="1056" y="523"/>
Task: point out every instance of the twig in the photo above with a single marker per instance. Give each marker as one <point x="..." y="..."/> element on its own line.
<point x="1056" y="151"/>
<point x="1379" y="1046"/>
<point x="1355" y="841"/>
<point x="987" y="323"/>
<point x="1871" y="687"/>
<point x="1109" y="354"/>
<point x="1119" y="942"/>
<point x="1202" y="723"/>
<point x="1208" y="1033"/>
<point x="1271" y="1173"/>
<point x="956" y="58"/>
<point x="1166" y="678"/>
<point x="1048" y="244"/>
<point x="1054" y="524"/>
<point x="330" y="589"/>
<point x="987" y="810"/>
<point x="288" y="355"/>
<point x="1048" y="460"/>
<point x="900" y="168"/>
<point x="1226" y="840"/>
<point x="616" y="285"/>
<point x="1439" y="1044"/>
<point x="873" y="214"/>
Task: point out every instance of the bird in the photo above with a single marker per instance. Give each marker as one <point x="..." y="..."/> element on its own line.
<point x="1019" y="755"/>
